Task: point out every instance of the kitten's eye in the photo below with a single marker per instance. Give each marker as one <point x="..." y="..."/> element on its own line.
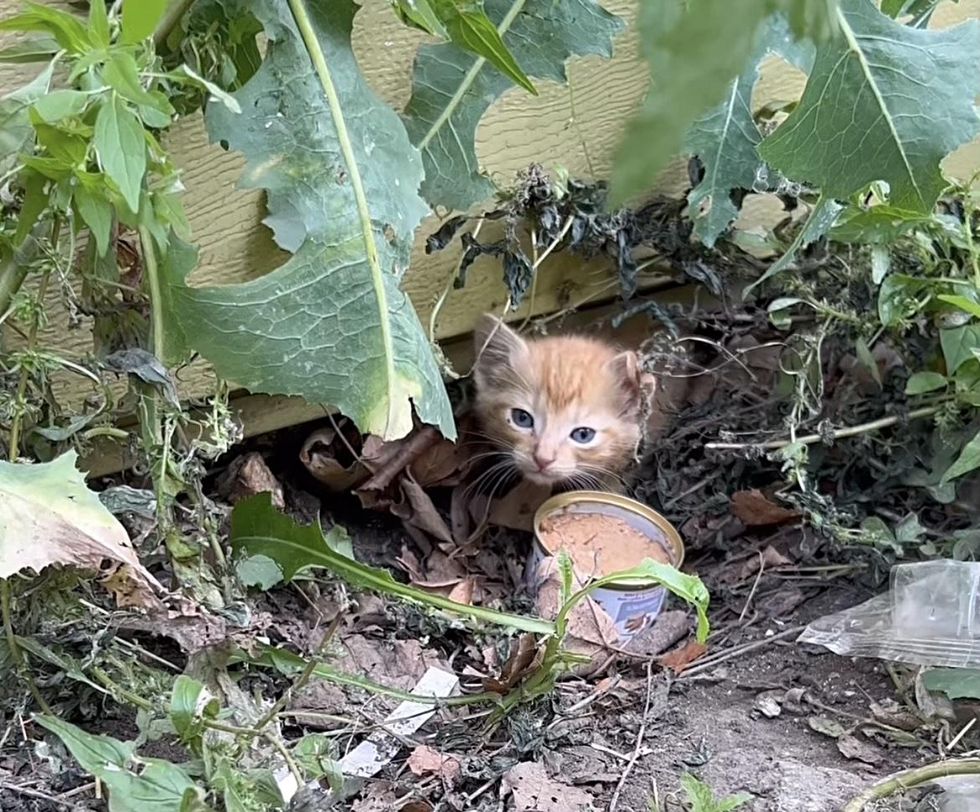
<point x="522" y="419"/>
<point x="582" y="434"/>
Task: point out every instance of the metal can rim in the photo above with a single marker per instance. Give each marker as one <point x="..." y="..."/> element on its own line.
<point x="562" y="500"/>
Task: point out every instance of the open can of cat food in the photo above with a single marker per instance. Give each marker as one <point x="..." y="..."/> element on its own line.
<point x="604" y="533"/>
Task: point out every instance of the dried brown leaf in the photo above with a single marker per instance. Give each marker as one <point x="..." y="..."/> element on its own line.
<point x="524" y="659"/>
<point x="327" y="456"/>
<point x="853" y="748"/>
<point x="680" y="658"/>
<point x="754" y="509"/>
<point x="247" y="476"/>
<point x="425" y="760"/>
<point x="516" y="509"/>
<point x="534" y="791"/>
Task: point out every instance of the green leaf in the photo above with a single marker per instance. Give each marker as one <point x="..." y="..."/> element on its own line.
<point x="60" y="104"/>
<point x="452" y="88"/>
<point x="878" y="225"/>
<point x="922" y="382"/>
<point x="469" y="28"/>
<point x="35" y="202"/>
<point x="184" y="73"/>
<point x="871" y="105"/>
<point x="420" y="14"/>
<point x="122" y="75"/>
<point x="190" y="704"/>
<point x="690" y="72"/>
<point x="968" y="460"/>
<point x="259" y="571"/>
<point x="958" y="344"/>
<point x="34" y="49"/>
<point x="67" y="30"/>
<point x="121" y="146"/>
<point x="822" y="218"/>
<point x="16" y="131"/>
<point x="160" y="787"/>
<point x="259" y="529"/>
<point x="956" y="683"/>
<point x="93" y="753"/>
<point x="961" y="302"/>
<point x="726" y="140"/>
<point x="96" y="211"/>
<point x="700" y="798"/>
<point x="139" y="18"/>
<point x="865" y="357"/>
<point x="331" y="324"/>
<point x="98" y="23"/>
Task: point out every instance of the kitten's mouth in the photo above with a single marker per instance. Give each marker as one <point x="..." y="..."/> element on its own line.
<point x="539" y="477"/>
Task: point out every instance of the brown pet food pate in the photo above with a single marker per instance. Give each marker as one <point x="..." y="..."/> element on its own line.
<point x="599" y="544"/>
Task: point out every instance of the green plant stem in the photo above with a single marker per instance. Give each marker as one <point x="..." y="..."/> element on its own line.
<point x="13" y="272"/>
<point x="119" y="692"/>
<point x="907" y="779"/>
<point x="305" y="26"/>
<point x="276" y="742"/>
<point x="20" y="661"/>
<point x="169" y="22"/>
<point x="156" y="296"/>
<point x="850" y="431"/>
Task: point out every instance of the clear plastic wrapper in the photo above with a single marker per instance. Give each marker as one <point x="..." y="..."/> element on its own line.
<point x="930" y="616"/>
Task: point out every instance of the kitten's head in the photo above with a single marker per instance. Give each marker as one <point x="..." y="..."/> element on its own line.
<point x="567" y="408"/>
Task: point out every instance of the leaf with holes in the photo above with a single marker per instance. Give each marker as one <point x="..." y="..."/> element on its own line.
<point x="453" y="88"/>
<point x="341" y="180"/>
<point x="691" y="69"/>
<point x="884" y="102"/>
<point x="726" y="139"/>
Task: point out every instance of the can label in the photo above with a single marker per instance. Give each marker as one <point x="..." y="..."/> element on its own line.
<point x="631" y="611"/>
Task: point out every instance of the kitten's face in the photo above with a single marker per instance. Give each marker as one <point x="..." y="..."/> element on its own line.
<point x="566" y="408"/>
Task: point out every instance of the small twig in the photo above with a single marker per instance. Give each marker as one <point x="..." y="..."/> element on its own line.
<point x="837" y="434"/>
<point x="637" y="749"/>
<point x="755" y="586"/>
<point x="300" y="682"/>
<point x="169" y="22"/>
<point x="736" y="651"/>
<point x="33" y="793"/>
<point x="907" y="779"/>
<point x="276" y="742"/>
<point x="963" y="731"/>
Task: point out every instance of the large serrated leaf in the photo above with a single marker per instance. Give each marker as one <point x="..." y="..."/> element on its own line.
<point x="341" y="179"/>
<point x="452" y="88"/>
<point x="726" y="139"/>
<point x="695" y="49"/>
<point x="884" y="102"/>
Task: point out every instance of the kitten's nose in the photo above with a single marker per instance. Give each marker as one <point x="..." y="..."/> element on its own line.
<point x="543" y="460"/>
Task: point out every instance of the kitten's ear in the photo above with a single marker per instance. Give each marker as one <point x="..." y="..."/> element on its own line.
<point x="497" y="348"/>
<point x="637" y="387"/>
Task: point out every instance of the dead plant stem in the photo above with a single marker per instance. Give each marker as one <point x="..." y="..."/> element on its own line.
<point x="20" y="661"/>
<point x="736" y="651"/>
<point x="638" y="748"/>
<point x="837" y="434"/>
<point x="907" y="779"/>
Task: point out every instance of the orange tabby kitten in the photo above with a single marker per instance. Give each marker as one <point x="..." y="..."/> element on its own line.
<point x="567" y="410"/>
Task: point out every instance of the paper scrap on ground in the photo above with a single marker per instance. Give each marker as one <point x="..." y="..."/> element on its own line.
<point x="373" y="753"/>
